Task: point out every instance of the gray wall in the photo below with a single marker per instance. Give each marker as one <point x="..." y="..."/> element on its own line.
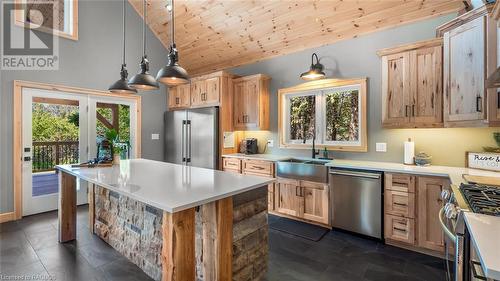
<point x="91" y="62"/>
<point x="357" y="58"/>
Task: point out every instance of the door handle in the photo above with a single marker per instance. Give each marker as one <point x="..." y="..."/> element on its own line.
<point x="27" y="158"/>
<point x="183" y="141"/>
<point x="188" y="148"/>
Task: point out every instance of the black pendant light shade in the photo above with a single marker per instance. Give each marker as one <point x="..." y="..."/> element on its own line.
<point x="494" y="80"/>
<point x="172" y="74"/>
<point x="315" y="71"/>
<point x="121" y="86"/>
<point x="143" y="80"/>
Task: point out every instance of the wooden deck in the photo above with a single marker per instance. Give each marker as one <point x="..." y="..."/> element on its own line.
<point x="45" y="183"/>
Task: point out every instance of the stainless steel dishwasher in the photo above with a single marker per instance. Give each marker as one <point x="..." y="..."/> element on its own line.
<point x="356" y="201"/>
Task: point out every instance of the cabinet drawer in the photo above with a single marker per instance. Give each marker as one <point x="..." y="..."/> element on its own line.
<point x="399" y="203"/>
<point x="231" y="164"/>
<point x="400" y="229"/>
<point x="257" y="167"/>
<point x="400" y="182"/>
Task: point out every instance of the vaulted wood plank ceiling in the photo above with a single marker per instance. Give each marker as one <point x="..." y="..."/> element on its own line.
<point x="218" y="34"/>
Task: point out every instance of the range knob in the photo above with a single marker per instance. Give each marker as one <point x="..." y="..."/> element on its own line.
<point x="450" y="211"/>
<point x="445" y="194"/>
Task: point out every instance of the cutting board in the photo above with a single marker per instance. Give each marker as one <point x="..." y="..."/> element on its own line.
<point x="482" y="180"/>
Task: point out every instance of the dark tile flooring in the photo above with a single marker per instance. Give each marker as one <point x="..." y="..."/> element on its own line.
<point x="29" y="248"/>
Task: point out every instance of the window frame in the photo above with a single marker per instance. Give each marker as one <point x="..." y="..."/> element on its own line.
<point x="72" y="34"/>
<point x="319" y="88"/>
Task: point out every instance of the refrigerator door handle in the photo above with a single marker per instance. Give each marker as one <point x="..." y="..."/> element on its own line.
<point x="183" y="141"/>
<point x="188" y="143"/>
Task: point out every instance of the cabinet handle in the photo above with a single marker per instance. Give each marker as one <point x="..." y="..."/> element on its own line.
<point x="176" y="100"/>
<point x="413" y="110"/>
<point x="498" y="99"/>
<point x="400" y="204"/>
<point x="406" y="110"/>
<point x="479" y="106"/>
<point x="400" y="229"/>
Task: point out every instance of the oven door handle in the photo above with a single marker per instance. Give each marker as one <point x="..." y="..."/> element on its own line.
<point x="445" y="228"/>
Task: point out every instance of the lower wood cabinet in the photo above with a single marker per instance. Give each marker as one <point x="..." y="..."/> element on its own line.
<point x="411" y="208"/>
<point x="302" y="199"/>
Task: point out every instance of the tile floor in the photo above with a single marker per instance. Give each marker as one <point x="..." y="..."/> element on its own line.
<point x="29" y="247"/>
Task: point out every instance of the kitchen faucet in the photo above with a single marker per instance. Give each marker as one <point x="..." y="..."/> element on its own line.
<point x="314" y="152"/>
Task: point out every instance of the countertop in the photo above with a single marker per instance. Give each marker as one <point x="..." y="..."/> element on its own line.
<point x="169" y="187"/>
<point x="485" y="232"/>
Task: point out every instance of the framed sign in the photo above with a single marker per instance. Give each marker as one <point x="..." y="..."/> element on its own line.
<point x="483" y="160"/>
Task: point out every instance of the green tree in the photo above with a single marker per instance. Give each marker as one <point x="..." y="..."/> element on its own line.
<point x="52" y="123"/>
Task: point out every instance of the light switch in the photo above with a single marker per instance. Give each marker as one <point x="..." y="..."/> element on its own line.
<point x="155" y="136"/>
<point x="381" y="147"/>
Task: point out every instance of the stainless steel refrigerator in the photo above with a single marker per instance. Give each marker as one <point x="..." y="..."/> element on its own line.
<point x="191" y="137"/>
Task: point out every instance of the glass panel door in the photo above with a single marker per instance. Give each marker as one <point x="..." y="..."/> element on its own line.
<point x="54" y="132"/>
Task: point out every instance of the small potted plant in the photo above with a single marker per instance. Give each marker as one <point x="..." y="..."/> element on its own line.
<point x="116" y="146"/>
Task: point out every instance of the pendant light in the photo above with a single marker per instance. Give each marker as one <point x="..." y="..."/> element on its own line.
<point x="143" y="80"/>
<point x="172" y="74"/>
<point x="315" y="71"/>
<point x="121" y="86"/>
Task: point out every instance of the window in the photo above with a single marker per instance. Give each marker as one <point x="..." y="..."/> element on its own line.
<point x="331" y="111"/>
<point x="61" y="20"/>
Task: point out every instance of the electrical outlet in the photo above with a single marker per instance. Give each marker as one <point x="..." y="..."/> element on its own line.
<point x="270" y="143"/>
<point x="155" y="136"/>
<point x="381" y="147"/>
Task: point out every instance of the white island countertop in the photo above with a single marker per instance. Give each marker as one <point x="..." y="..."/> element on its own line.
<point x="166" y="186"/>
<point x="485" y="235"/>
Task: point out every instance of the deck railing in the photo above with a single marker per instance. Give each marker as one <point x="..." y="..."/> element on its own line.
<point x="47" y="154"/>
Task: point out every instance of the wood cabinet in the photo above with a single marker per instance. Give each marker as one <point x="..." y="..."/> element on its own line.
<point x="470" y="56"/>
<point x="411" y="208"/>
<point x="205" y="92"/>
<point x="429" y="232"/>
<point x="251" y="102"/>
<point x="287" y="196"/>
<point x="231" y="164"/>
<point x="179" y="97"/>
<point x="412" y="85"/>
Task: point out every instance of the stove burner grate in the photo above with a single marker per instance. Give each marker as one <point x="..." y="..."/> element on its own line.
<point x="482" y="199"/>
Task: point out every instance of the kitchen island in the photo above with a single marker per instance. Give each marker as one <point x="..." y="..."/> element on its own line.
<point x="175" y="222"/>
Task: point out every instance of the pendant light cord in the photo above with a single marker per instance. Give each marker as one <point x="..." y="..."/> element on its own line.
<point x="145" y="11"/>
<point x="172" y="29"/>
<point x="124" y="32"/>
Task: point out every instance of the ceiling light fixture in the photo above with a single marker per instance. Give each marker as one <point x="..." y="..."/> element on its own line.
<point x="143" y="80"/>
<point x="315" y="71"/>
<point x="172" y="74"/>
<point x="121" y="86"/>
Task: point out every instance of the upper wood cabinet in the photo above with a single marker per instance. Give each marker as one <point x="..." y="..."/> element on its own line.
<point x="470" y="56"/>
<point x="412" y="85"/>
<point x="251" y="102"/>
<point x="179" y="97"/>
<point x="205" y="92"/>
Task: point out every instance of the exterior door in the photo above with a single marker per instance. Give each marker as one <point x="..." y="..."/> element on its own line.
<point x="55" y="132"/>
<point x="112" y="113"/>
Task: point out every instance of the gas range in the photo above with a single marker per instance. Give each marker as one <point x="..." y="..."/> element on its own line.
<point x="482" y="199"/>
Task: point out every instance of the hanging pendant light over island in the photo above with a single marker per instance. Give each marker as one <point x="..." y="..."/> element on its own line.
<point x="172" y="74"/>
<point x="143" y="80"/>
<point x="121" y="86"/>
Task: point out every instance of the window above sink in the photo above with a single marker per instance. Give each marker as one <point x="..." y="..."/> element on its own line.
<point x="332" y="110"/>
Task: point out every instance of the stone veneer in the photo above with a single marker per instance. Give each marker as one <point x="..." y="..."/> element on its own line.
<point x="134" y="229"/>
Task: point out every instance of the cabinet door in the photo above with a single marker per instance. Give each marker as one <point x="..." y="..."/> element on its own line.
<point x="429" y="233"/>
<point x="173" y="98"/>
<point x="287" y="194"/>
<point x="184" y="95"/>
<point x="314" y="202"/>
<point x="239" y="105"/>
<point x="464" y="72"/>
<point x="399" y="229"/>
<point x="399" y="182"/>
<point x="198" y="89"/>
<point x="396" y="89"/>
<point x="426" y="85"/>
<point x="212" y="93"/>
<point x="252" y="100"/>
